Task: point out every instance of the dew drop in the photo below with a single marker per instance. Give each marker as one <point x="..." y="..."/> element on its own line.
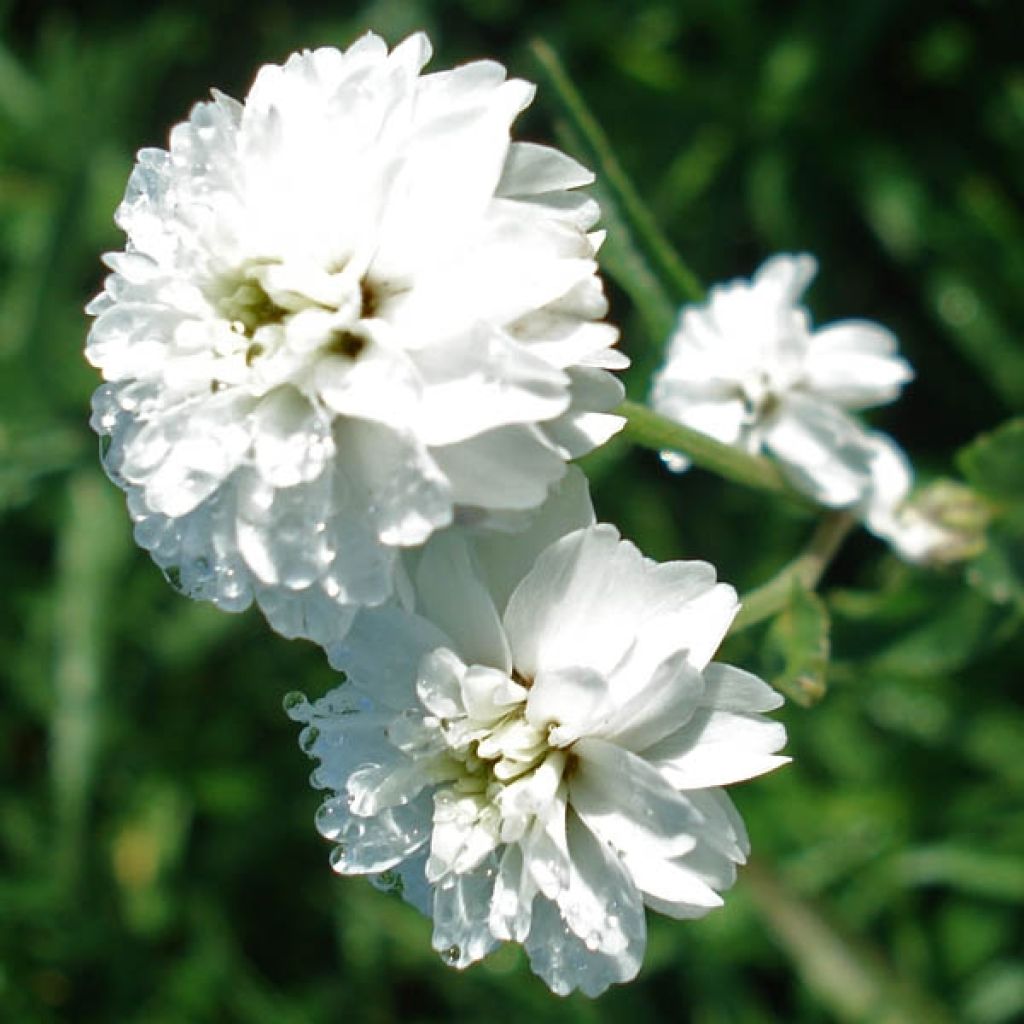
<point x="173" y="576"/>
<point x="390" y="882"/>
<point x="295" y="704"/>
<point x="327" y="820"/>
<point x="337" y="858"/>
<point x="451" y="955"/>
<point x="308" y="738"/>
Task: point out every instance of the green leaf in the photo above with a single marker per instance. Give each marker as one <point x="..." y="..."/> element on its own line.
<point x="637" y="253"/>
<point x="93" y="545"/>
<point x="994" y="463"/>
<point x="26" y="457"/>
<point x="799" y="641"/>
<point x="998" y="572"/>
<point x="998" y="876"/>
<point x="852" y="980"/>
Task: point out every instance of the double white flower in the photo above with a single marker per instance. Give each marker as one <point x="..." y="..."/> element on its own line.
<point x="349" y="348"/>
<point x="349" y="312"/>
<point x="538" y="754"/>
<point x="748" y="369"/>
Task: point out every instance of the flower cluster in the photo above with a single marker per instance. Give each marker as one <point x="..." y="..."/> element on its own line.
<point x="747" y="369"/>
<point x="349" y="312"/>
<point x="541" y="754"/>
<point x="352" y="344"/>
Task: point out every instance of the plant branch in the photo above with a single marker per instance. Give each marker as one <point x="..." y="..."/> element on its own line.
<point x="682" y="282"/>
<point x="850" y="980"/>
<point x="649" y="429"/>
<point x="807" y="568"/>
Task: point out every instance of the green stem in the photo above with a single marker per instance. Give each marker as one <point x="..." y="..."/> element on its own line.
<point x="649" y="429"/>
<point x="851" y="981"/>
<point x="682" y="282"/>
<point x="807" y="568"/>
<point x="93" y="543"/>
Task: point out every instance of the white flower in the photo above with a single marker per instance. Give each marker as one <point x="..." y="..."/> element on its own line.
<point x="539" y="756"/>
<point x="747" y="369"/>
<point x="349" y="311"/>
<point x="938" y="525"/>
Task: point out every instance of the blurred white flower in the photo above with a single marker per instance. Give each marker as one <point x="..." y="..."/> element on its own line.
<point x="939" y="525"/>
<point x="539" y="755"/>
<point x="748" y="369"/>
<point x="349" y="311"/>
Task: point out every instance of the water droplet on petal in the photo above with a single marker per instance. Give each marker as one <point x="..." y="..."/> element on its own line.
<point x="308" y="738"/>
<point x="295" y="704"/>
<point x="173" y="576"/>
<point x="327" y="820"/>
<point x="451" y="955"/>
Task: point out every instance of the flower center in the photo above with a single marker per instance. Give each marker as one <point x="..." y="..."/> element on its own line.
<point x="498" y="771"/>
<point x="265" y="302"/>
<point x="248" y="307"/>
<point x="760" y="395"/>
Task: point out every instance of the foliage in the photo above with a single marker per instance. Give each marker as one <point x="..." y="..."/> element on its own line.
<point x="157" y="857"/>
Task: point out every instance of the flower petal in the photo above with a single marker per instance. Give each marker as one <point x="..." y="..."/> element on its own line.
<point x="409" y="495"/>
<point x="368" y="845"/>
<point x="511" y="467"/>
<point x="601" y="904"/>
<point x="716" y="748"/>
<point x="670" y="881"/>
<point x="505" y="557"/>
<point x="481" y="380"/>
<point x="728" y="688"/>
<point x="821" y="449"/>
<point x="628" y="802"/>
<point x="566" y="702"/>
<point x="577" y="606"/>
<point x="452" y="595"/>
<point x="531" y="170"/>
<point x="462" y="933"/>
<point x="512" y="902"/>
<point x="382" y="651"/>
<point x="660" y="708"/>
<point x="854" y="364"/>
<point x="566" y="963"/>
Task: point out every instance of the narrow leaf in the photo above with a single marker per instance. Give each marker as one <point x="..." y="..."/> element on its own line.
<point x="622" y="201"/>
<point x="799" y="640"/>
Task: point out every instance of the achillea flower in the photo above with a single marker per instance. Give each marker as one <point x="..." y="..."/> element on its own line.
<point x="939" y="525"/>
<point x="349" y="312"/>
<point x="539" y="755"/>
<point x="747" y="369"/>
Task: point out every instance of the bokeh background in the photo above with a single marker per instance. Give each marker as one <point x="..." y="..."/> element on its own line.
<point x="158" y="861"/>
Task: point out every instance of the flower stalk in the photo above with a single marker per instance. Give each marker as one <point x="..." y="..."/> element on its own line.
<point x="807" y="568"/>
<point x="652" y="430"/>
<point x="675" y="275"/>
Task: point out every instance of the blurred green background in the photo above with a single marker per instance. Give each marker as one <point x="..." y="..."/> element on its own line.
<point x="158" y="861"/>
